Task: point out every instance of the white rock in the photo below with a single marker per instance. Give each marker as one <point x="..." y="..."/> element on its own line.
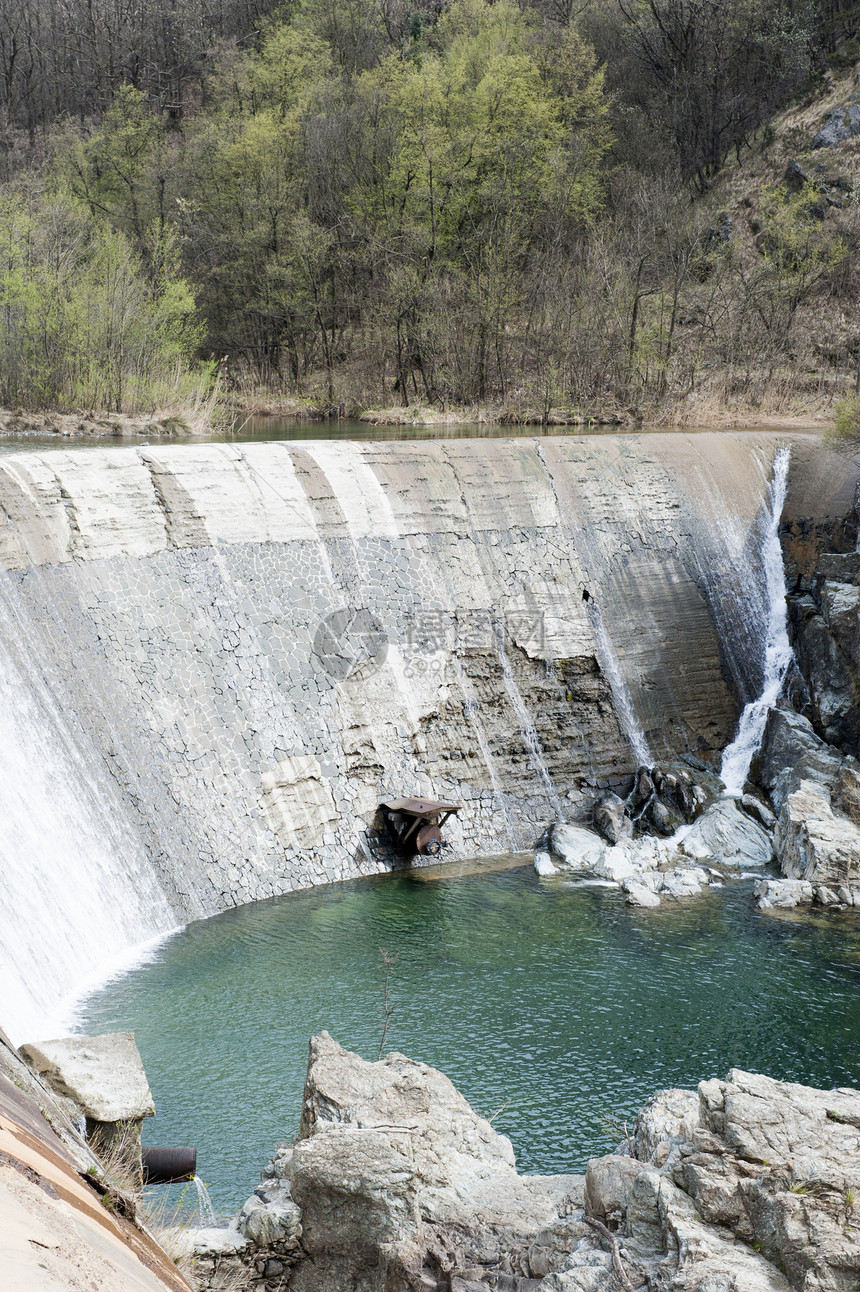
<point x="217" y="1241"/>
<point x="640" y="895"/>
<point x="726" y="833"/>
<point x="220" y="1242"/>
<point x="543" y="864"/>
<point x="104" y="1075"/>
<point x="632" y="857"/>
<point x="576" y="848"/>
<point x="683" y="882"/>
<point x="783" y="894"/>
<point x="617" y="863"/>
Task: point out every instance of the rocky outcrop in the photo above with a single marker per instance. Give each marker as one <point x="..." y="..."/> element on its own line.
<point x="824" y="624"/>
<point x="727" y="835"/>
<point x="395" y="1184"/>
<point x="103" y="1078"/>
<point x="646" y="868"/>
<point x="840" y="125"/>
<point x="650" y="868"/>
<point x="816" y="791"/>
<point x="401" y="1184"/>
<point x="103" y="1075"/>
<point x="815" y="843"/>
<point x="746" y="1185"/>
<point x="257" y="1251"/>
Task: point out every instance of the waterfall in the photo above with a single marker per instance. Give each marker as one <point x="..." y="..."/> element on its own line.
<point x="620" y="691"/>
<point x="159" y="680"/>
<point x="777" y="649"/>
<point x="79" y="892"/>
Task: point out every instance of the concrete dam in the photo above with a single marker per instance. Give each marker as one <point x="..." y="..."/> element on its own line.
<point x="219" y="658"/>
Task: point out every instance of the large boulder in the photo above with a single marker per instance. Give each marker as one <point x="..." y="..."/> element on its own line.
<point x="608" y="1184"/>
<point x="399" y="1181"/>
<point x="815" y="844"/>
<point x="726" y="834"/>
<point x="103" y="1075"/>
<point x="610" y="818"/>
<point x="792" y="752"/>
<point x="839" y="125"/>
<point x="575" y="848"/>
<point x="785" y="894"/>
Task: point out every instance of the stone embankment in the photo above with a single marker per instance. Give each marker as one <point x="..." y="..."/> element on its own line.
<point x="396" y="1185"/>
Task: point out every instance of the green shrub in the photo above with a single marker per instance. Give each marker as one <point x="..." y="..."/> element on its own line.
<point x="845" y="431"/>
<point x="82" y="324"/>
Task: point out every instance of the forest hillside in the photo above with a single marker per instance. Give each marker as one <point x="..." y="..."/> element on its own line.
<point x="549" y="210"/>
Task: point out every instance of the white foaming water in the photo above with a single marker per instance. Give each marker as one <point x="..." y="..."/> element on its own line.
<point x="620" y="692"/>
<point x="79" y="892"/>
<point x="777" y="652"/>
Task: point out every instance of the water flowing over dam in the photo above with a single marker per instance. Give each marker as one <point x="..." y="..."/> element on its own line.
<point x="217" y="659"/>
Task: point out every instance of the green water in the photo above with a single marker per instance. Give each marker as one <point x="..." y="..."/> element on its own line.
<point x="554" y="1008"/>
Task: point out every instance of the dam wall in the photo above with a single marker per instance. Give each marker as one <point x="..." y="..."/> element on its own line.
<point x="219" y="658"/>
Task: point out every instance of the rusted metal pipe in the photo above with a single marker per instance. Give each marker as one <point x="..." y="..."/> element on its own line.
<point x="428" y="841"/>
<point x="167" y="1165"/>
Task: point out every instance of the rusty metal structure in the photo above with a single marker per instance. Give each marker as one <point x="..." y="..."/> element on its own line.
<point x="415" y="825"/>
